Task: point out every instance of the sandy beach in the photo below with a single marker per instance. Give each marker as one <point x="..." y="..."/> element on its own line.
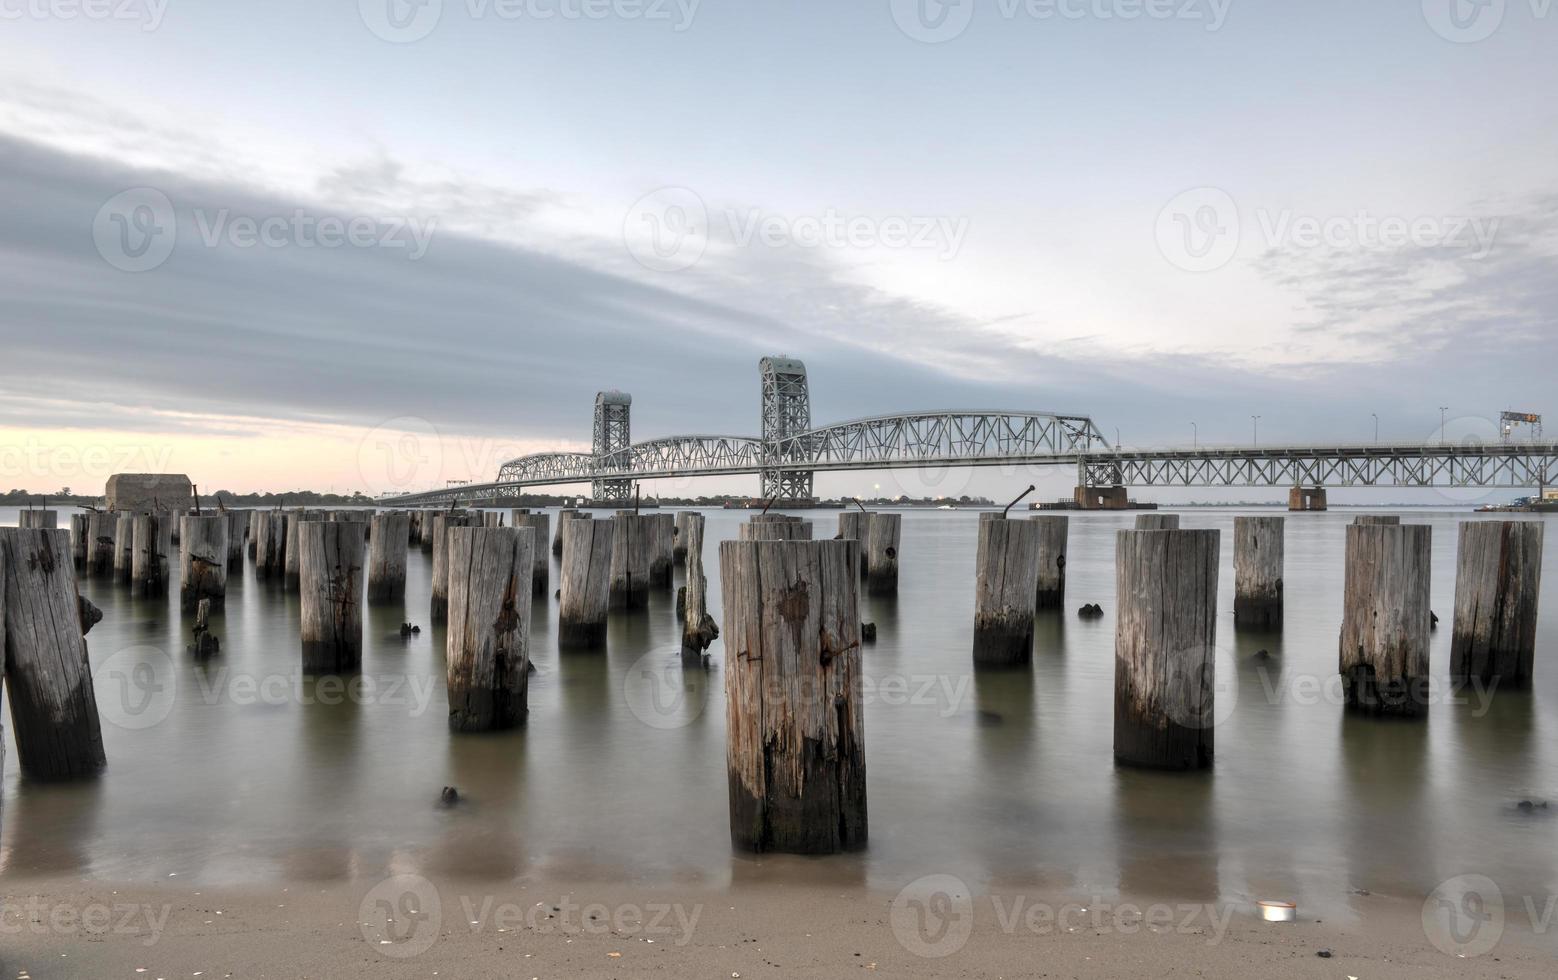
<point x="64" y="928"/>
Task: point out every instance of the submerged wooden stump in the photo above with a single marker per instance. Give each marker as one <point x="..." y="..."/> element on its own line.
<point x="101" y="528"/>
<point x="331" y="586"/>
<point x="152" y="554"/>
<point x="1164" y="648"/>
<point x="202" y="561"/>
<point x="563" y="517"/>
<point x="855" y="525"/>
<point x="541" y="570"/>
<point x="881" y="551"/>
<point x="47" y="675"/>
<point x="1258" y="547"/>
<point x="630" y="551"/>
<point x="1498" y="584"/>
<point x="699" y="631"/>
<point x="662" y="545"/>
<point x="1157" y="522"/>
<point x="38" y="519"/>
<point x="489" y="626"/>
<point x="124" y="548"/>
<point x="795" y="743"/>
<point x="1006" y="570"/>
<point x="586" y="587"/>
<point x="390" y="538"/>
<point x="1383" y="657"/>
<point x="1053" y="535"/>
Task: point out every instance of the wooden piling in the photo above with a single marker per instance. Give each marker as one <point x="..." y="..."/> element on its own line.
<point x="586" y="585"/>
<point x="202" y="561"/>
<point x="679" y="548"/>
<point x="1157" y="522"/>
<point x="1165" y="647"/>
<point x="881" y="551"/>
<point x="124" y="548"/>
<point x="699" y="631"/>
<point x="292" y="556"/>
<point x="1006" y="575"/>
<point x="253" y="541"/>
<point x="855" y="525"/>
<point x="563" y="517"/>
<point x="1258" y="547"/>
<point x="237" y="528"/>
<point x="47" y="674"/>
<point x="1383" y="657"/>
<point x="1498" y="583"/>
<point x="152" y="535"/>
<point x="775" y="527"/>
<point x="1386" y="520"/>
<point x="662" y="545"/>
<point x="389" y="539"/>
<point x="1054" y="533"/>
<point x="439" y="611"/>
<point x="541" y="524"/>
<point x="270" y="551"/>
<point x="489" y="626"/>
<point x="629" y="562"/>
<point x="101" y="528"/>
<point x="795" y="743"/>
<point x="78" y="541"/>
<point x="38" y="519"/>
<point x="330" y="583"/>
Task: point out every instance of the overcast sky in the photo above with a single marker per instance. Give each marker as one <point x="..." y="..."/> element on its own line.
<point x="252" y="242"/>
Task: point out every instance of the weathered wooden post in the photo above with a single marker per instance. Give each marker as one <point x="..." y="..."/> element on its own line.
<point x="491" y="518"/>
<point x="775" y="527"/>
<point x="292" y="551"/>
<point x="270" y="552"/>
<point x="390" y="538"/>
<point x="662" y="544"/>
<point x="1382" y="520"/>
<point x="124" y="547"/>
<point x="101" y="528"/>
<point x="1383" y="655"/>
<point x="489" y="626"/>
<point x="1005" y="590"/>
<point x="330" y="581"/>
<point x="1157" y="522"/>
<point x="563" y="517"/>
<point x="541" y="524"/>
<point x="1054" y="533"/>
<point x="202" y="561"/>
<point x="1165" y="647"/>
<point x="1498" y="582"/>
<point x="586" y="587"/>
<point x="440" y="587"/>
<point x="48" y="677"/>
<point x="629" y="562"/>
<point x="795" y="743"/>
<point x="1258" y="546"/>
<point x="78" y="541"/>
<point x="256" y="518"/>
<point x="153" y="545"/>
<point x="38" y="519"/>
<point x="237" y="527"/>
<point x="699" y="631"/>
<point x="882" y="553"/>
<point x="855" y="525"/>
<point x="679" y="548"/>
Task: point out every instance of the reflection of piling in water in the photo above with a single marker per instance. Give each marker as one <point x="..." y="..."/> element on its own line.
<point x="488" y="647"/>
<point x="1005" y="590"/>
<point x="1258" y="545"/>
<point x="1498" y="580"/>
<point x="1383" y="657"/>
<point x="331" y="567"/>
<point x="47" y="675"/>
<point x="202" y="561"/>
<point x="1166" y="835"/>
<point x="795" y="746"/>
<point x="1164" y="647"/>
<point x="585" y="595"/>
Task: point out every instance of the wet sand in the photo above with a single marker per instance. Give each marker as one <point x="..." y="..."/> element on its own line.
<point x="590" y="929"/>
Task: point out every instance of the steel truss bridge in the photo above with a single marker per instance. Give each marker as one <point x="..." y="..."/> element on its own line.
<point x="791" y="451"/>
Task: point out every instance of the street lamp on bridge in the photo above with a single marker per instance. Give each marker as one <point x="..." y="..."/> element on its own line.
<point x="1255" y="431"/>
<point x="1442" y="410"/>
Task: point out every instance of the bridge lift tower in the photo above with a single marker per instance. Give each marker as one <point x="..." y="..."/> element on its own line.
<point x="612" y="434"/>
<point x="786" y="412"/>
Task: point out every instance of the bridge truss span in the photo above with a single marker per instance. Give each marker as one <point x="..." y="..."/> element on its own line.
<point x="1486" y="465"/>
<point x="965" y="438"/>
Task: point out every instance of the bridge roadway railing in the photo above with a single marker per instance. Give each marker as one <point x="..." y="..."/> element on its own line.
<point x="1512" y="465"/>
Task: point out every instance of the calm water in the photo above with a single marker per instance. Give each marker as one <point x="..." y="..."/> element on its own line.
<point x="240" y="771"/>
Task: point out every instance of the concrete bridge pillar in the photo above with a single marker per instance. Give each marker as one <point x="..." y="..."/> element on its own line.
<point x="1306" y="498"/>
<point x="1101" y="498"/>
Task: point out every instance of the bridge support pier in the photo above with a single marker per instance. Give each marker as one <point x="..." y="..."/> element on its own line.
<point x="1306" y="498"/>
<point x="1101" y="498"/>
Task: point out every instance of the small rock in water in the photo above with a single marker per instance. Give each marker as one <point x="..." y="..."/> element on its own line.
<point x="1324" y="954"/>
<point x="1262" y="654"/>
<point x="868" y="632"/>
<point x="1529" y="806"/>
<point x="1433" y="619"/>
<point x="449" y="797"/>
<point x="406" y="629"/>
<point x="990" y="718"/>
<point x="558" y="594"/>
<point x="90" y="614"/>
<point x="1091" y="610"/>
